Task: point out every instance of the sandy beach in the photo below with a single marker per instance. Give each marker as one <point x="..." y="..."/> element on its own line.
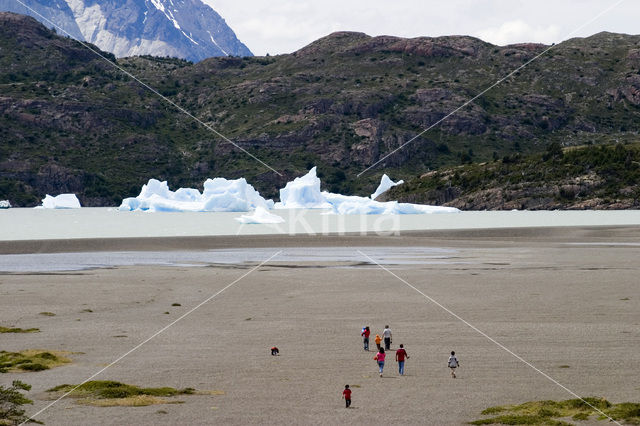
<point x="564" y="299"/>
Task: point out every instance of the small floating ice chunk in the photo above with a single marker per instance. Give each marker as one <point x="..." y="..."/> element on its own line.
<point x="385" y="184"/>
<point x="62" y="201"/>
<point x="303" y="193"/>
<point x="260" y="215"/>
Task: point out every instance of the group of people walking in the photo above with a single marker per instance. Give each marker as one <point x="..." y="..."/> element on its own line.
<point x="386" y="333"/>
<point x="401" y="356"/>
<point x="380" y="357"/>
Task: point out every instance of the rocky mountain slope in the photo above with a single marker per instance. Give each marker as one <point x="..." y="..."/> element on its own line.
<point x="71" y="122"/>
<point x="187" y="29"/>
<point x="577" y="178"/>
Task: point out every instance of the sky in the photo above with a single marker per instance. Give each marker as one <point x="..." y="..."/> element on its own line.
<point x="283" y="26"/>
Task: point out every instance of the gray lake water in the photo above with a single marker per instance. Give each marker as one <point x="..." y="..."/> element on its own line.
<point x="42" y="224"/>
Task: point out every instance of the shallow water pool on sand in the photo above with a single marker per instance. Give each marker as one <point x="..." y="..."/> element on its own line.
<point x="341" y="256"/>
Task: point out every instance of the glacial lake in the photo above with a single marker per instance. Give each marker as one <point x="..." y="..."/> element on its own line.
<point x="42" y="224"/>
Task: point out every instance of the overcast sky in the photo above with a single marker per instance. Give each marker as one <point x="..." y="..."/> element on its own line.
<point x="283" y="26"/>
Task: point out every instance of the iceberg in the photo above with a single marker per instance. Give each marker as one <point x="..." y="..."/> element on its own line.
<point x="385" y="184"/>
<point x="260" y="215"/>
<point x="223" y="195"/>
<point x="352" y="204"/>
<point x="219" y="195"/>
<point x="62" y="201"/>
<point x="303" y="193"/>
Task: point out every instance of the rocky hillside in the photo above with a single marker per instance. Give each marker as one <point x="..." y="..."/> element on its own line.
<point x="578" y="178"/>
<point x="187" y="29"/>
<point x="70" y="122"/>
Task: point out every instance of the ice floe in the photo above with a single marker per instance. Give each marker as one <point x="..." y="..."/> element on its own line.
<point x="260" y="215"/>
<point x="352" y="204"/>
<point x="62" y="201"/>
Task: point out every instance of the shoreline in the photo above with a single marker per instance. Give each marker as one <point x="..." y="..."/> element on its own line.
<point x="454" y="237"/>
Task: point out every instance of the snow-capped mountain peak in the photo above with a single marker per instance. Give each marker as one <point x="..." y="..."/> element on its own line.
<point x="187" y="29"/>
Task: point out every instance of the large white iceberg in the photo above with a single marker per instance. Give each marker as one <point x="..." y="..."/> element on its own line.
<point x="62" y="201"/>
<point x="303" y="193"/>
<point x="222" y="195"/>
<point x="219" y="195"/>
<point x="260" y="215"/>
<point x="385" y="184"/>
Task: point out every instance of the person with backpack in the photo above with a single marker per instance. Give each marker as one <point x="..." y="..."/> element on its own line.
<point x="365" y="337"/>
<point x="453" y="364"/>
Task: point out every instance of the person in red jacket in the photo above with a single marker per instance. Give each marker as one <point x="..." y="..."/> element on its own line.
<point x="346" y="394"/>
<point x="401" y="354"/>
<point x="365" y="337"/>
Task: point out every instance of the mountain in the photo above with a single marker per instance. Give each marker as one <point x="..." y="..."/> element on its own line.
<point x="186" y="29"/>
<point x="71" y="122"/>
<point x="576" y="178"/>
<point x="57" y="11"/>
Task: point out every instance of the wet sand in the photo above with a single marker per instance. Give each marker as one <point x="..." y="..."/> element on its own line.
<point x="557" y="297"/>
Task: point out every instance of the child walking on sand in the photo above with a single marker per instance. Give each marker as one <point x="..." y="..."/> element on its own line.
<point x="378" y="341"/>
<point x="380" y="358"/>
<point x="346" y="395"/>
<point x="453" y="364"/>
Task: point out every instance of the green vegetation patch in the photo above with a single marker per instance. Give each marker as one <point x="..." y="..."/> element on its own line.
<point x="11" y="401"/>
<point x="107" y="393"/>
<point x="553" y="412"/>
<point x="18" y="330"/>
<point x="32" y="360"/>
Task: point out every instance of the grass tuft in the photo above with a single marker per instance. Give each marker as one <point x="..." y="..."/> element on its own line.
<point x="130" y="401"/>
<point x="18" y="330"/>
<point x="550" y="412"/>
<point x="31" y="360"/>
<point x="107" y="393"/>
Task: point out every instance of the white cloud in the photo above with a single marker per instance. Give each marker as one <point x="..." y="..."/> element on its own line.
<point x="283" y="26"/>
<point x="519" y="31"/>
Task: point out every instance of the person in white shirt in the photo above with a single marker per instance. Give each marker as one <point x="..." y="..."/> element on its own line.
<point x="453" y="364"/>
<point x="386" y="334"/>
